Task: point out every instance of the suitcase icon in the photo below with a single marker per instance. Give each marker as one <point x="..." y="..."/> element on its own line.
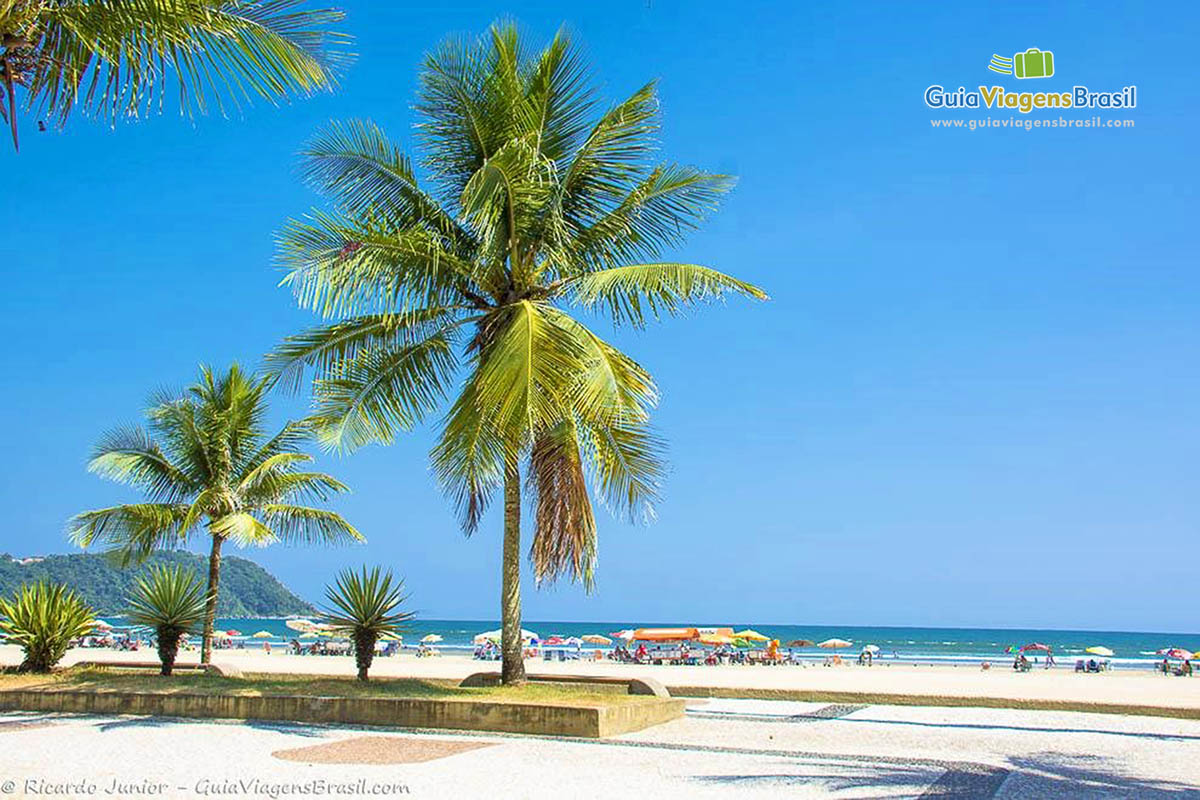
<point x="1033" y="63"/>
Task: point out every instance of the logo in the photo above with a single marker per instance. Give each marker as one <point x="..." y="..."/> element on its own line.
<point x="1033" y="63"/>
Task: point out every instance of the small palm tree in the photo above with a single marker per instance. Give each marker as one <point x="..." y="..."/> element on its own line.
<point x="544" y="212"/>
<point x="365" y="606"/>
<point x="207" y="462"/>
<point x="170" y="600"/>
<point x="119" y="58"/>
<point x="43" y="618"/>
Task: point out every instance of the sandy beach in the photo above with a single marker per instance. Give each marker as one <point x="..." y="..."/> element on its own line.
<point x="1117" y="687"/>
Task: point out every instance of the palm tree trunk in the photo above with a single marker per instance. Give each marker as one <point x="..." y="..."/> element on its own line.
<point x="210" y="602"/>
<point x="512" y="669"/>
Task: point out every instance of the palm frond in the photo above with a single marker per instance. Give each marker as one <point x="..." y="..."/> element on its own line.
<point x="133" y="531"/>
<point x="634" y="293"/>
<point x="564" y="539"/>
<point x="371" y="396"/>
<point x="293" y="524"/>
<point x="627" y="462"/>
<point x="131" y="456"/>
<point x="118" y="58"/>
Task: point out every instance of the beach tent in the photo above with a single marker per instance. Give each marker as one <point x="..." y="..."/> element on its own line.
<point x="1099" y="650"/>
<point x="431" y="638"/>
<point x="751" y="635"/>
<point x="800" y="643"/>
<point x="834" y="644"/>
<point x="495" y="636"/>
<point x="595" y="638"/>
<point x="263" y="635"/>
<point x="665" y="634"/>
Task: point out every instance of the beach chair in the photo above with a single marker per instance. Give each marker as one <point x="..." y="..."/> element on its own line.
<point x="1079" y="666"/>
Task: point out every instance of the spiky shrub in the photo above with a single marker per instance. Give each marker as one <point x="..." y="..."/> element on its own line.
<point x="366" y="605"/>
<point x="43" y="618"/>
<point x="170" y="600"/>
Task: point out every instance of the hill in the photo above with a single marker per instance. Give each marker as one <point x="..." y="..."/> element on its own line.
<point x="247" y="590"/>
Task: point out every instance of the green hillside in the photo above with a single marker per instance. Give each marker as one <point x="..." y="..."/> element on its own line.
<point x="247" y="590"/>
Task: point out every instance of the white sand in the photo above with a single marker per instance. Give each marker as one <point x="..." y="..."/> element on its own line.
<point x="1124" y="687"/>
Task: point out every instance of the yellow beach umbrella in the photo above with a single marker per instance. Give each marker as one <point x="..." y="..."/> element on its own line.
<point x="431" y="638"/>
<point x="264" y="635"/>
<point x="715" y="638"/>
<point x="595" y="638"/>
<point x="309" y="635"/>
<point x="1099" y="651"/>
<point x="751" y="635"/>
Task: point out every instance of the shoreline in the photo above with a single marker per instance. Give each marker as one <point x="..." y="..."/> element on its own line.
<point x="959" y="683"/>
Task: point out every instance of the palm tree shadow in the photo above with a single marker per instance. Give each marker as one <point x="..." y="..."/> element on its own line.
<point x="1051" y="774"/>
<point x="961" y="781"/>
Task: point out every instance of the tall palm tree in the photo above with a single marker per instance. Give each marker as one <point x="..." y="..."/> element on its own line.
<point x="119" y="58"/>
<point x="540" y="201"/>
<point x="206" y="462"/>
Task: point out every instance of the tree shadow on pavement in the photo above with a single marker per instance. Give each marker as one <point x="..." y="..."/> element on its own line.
<point x="1051" y="774"/>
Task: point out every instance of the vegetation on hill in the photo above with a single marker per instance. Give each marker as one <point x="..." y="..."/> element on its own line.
<point x="247" y="590"/>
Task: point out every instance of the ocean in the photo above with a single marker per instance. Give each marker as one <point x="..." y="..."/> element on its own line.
<point x="920" y="645"/>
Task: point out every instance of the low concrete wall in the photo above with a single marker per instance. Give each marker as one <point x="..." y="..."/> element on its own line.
<point x="553" y="720"/>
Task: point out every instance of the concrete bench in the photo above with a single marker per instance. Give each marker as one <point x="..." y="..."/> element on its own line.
<point x="648" y="686"/>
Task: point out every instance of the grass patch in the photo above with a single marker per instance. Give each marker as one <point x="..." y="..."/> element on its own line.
<point x="273" y="684"/>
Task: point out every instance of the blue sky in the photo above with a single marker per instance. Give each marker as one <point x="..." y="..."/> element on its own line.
<point x="972" y="400"/>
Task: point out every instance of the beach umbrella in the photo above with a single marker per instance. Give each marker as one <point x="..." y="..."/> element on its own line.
<point x="300" y="625"/>
<point x="495" y="636"/>
<point x="1098" y="650"/>
<point x="834" y="644"/>
<point x="666" y="634"/>
<point x="595" y="638"/>
<point x="308" y="635"/>
<point x="871" y="648"/>
<point x="742" y="643"/>
<point x="555" y="640"/>
<point x="1177" y="653"/>
<point x="234" y="633"/>
<point x="626" y="634"/>
<point x="751" y="635"/>
<point x="574" y="641"/>
<point x="390" y="637"/>
<point x="101" y="625"/>
<point x="1037" y="646"/>
<point x="431" y="638"/>
<point x="800" y="643"/>
<point x="715" y="638"/>
<point x="263" y="635"/>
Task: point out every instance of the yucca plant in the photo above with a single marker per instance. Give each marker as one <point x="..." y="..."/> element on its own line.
<point x="122" y="58"/>
<point x="169" y="599"/>
<point x="43" y="618"/>
<point x="207" y="463"/>
<point x="365" y="606"/>
<point x="544" y="211"/>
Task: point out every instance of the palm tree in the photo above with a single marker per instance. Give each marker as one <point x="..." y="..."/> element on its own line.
<point x="43" y="618"/>
<point x="365" y="606"/>
<point x="540" y="202"/>
<point x="206" y="461"/>
<point x="119" y="58"/>
<point x="171" y="600"/>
